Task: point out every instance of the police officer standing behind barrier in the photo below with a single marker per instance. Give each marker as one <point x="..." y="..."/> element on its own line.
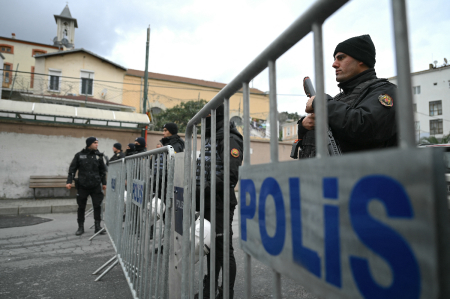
<point x="362" y="116"/>
<point x="91" y="180"/>
<point x="140" y="145"/>
<point x="118" y="153"/>
<point x="236" y="149"/>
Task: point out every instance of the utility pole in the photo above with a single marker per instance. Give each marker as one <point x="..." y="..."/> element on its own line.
<point x="146" y="71"/>
<point x="146" y="78"/>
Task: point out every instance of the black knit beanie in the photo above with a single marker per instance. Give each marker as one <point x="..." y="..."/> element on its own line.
<point x="172" y="128"/>
<point x="141" y="141"/>
<point x="90" y="140"/>
<point x="118" y="146"/>
<point x="359" y="47"/>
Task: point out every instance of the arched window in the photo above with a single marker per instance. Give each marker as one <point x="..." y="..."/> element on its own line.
<point x="38" y="52"/>
<point x="156" y="110"/>
<point x="6" y="49"/>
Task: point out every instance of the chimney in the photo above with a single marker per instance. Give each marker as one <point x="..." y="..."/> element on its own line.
<point x="13" y="35"/>
<point x="431" y="66"/>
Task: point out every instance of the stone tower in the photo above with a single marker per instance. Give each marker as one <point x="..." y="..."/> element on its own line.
<point x="66" y="25"/>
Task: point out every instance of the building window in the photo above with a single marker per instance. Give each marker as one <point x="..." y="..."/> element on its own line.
<point x="38" y="52"/>
<point x="7" y="74"/>
<point x="6" y="49"/>
<point x="54" y="80"/>
<point x="288" y="131"/>
<point x="87" y="83"/>
<point x="436" y="108"/>
<point x="416" y="89"/>
<point x="436" y="127"/>
<point x="415" y="107"/>
<point x="32" y="77"/>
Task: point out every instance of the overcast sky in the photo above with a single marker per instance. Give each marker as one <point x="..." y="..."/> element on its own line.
<point x="215" y="40"/>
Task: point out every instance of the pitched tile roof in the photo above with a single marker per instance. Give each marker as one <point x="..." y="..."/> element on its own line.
<point x="82" y="98"/>
<point x="163" y="77"/>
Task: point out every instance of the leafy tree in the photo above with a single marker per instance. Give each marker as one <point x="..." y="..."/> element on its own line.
<point x="434" y="140"/>
<point x="180" y="114"/>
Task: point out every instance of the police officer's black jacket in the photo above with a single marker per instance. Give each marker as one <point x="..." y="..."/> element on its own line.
<point x="236" y="150"/>
<point x="117" y="156"/>
<point x="91" y="169"/>
<point x="175" y="141"/>
<point x="360" y="117"/>
<point x="129" y="152"/>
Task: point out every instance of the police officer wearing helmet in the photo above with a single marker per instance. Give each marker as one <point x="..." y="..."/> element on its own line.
<point x="91" y="181"/>
<point x="362" y="116"/>
<point x="118" y="154"/>
<point x="236" y="150"/>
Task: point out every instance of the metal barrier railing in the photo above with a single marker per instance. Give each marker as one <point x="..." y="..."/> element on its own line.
<point x="338" y="281"/>
<point x="134" y="219"/>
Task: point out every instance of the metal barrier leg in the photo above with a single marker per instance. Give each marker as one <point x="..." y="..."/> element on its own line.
<point x="89" y="212"/>
<point x="107" y="270"/>
<point x="97" y="233"/>
<point x="104" y="265"/>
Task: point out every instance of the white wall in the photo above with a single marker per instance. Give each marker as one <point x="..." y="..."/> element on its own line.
<point x="23" y="155"/>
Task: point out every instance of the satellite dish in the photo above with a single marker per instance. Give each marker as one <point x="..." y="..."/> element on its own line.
<point x="435" y="63"/>
<point x="104" y="91"/>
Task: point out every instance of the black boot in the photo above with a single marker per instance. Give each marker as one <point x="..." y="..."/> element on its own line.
<point x="80" y="230"/>
<point x="205" y="288"/>
<point x="220" y="294"/>
<point x="98" y="228"/>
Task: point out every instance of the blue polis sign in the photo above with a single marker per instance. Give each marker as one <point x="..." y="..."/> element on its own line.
<point x="356" y="226"/>
<point x="137" y="195"/>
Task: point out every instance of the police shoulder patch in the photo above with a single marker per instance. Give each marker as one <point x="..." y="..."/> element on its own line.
<point x="386" y="100"/>
<point x="235" y="152"/>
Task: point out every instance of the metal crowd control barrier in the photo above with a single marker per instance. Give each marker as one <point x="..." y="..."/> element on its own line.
<point x="366" y="225"/>
<point x="134" y="220"/>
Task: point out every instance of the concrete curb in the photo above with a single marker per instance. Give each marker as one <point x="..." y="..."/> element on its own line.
<point x="35" y="208"/>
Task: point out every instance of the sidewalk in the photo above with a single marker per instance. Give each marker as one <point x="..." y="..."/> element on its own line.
<point x="39" y="206"/>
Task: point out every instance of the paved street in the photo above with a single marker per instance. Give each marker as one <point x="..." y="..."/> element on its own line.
<point x="47" y="260"/>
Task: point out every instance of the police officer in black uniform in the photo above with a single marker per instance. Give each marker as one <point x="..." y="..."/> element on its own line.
<point x="91" y="181"/>
<point x="140" y="145"/>
<point x="362" y="115"/>
<point x="131" y="150"/>
<point x="118" y="153"/>
<point x="170" y="134"/>
<point x="236" y="152"/>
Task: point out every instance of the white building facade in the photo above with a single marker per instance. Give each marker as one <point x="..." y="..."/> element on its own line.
<point x="431" y="98"/>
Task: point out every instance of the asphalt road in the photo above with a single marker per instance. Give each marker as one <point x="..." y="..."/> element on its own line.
<point x="47" y="260"/>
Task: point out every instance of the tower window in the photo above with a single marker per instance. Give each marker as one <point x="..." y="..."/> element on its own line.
<point x="416" y="89"/>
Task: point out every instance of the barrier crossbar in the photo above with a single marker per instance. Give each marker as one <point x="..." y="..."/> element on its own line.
<point x="138" y="219"/>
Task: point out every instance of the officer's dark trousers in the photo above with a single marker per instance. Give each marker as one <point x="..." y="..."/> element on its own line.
<point x="219" y="247"/>
<point x="97" y="198"/>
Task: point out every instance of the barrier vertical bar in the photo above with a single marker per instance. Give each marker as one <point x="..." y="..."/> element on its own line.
<point x="161" y="212"/>
<point x="273" y="112"/>
<point x="149" y="216"/>
<point x="186" y="212"/>
<point x="247" y="257"/>
<point x="404" y="111"/>
<point x="168" y="225"/>
<point x="152" y="248"/>
<point x="194" y="207"/>
<point x="320" y="107"/>
<point x="276" y="285"/>
<point x="226" y="201"/>
<point x="202" y="202"/>
<point x="212" y="254"/>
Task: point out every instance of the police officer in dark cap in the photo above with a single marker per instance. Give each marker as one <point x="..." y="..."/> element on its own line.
<point x="118" y="153"/>
<point x="140" y="145"/>
<point x="170" y="133"/>
<point x="131" y="150"/>
<point x="91" y="181"/>
<point x="362" y="115"/>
